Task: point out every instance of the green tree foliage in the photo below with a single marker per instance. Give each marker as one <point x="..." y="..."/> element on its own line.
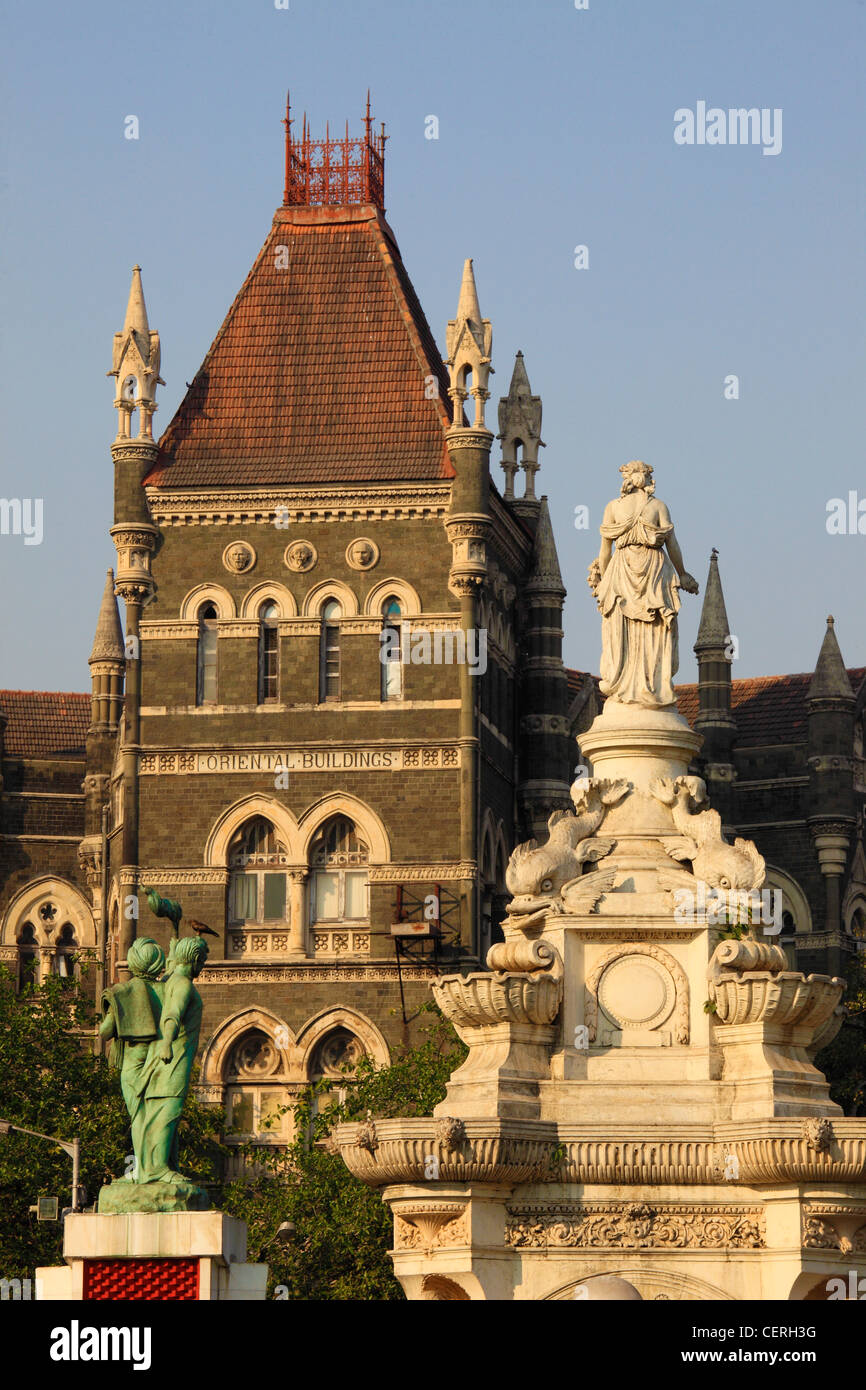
<point x="844" y="1061"/>
<point x="340" y="1229"/>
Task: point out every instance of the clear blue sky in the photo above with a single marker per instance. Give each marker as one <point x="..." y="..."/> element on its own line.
<point x="555" y="129"/>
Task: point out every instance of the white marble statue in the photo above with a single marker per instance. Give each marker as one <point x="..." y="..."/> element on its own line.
<point x="637" y="588"/>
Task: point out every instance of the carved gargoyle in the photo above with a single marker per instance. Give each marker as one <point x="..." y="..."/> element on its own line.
<point x="718" y="864"/>
<point x="538" y="875"/>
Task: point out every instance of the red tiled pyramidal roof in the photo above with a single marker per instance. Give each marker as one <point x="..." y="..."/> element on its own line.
<point x="322" y="370"/>
<point x="44" y="723"/>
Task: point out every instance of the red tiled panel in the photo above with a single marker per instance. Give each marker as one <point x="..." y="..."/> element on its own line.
<point x="318" y="373"/>
<point x="146" y="1281"/>
<point x="44" y="723"/>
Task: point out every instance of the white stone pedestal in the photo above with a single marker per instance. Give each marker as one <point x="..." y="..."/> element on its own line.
<point x="153" y="1257"/>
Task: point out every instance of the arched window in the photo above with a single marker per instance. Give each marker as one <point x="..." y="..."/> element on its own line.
<point x="329" y="655"/>
<point x="257" y="880"/>
<point x="269" y="653"/>
<point x="63" y="961"/>
<point x="338" y="882"/>
<point x="206" y="686"/>
<point x="255" y="1093"/>
<point x="390" y="654"/>
<point x="28" y="956"/>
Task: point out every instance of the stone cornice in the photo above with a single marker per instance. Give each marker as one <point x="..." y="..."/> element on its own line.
<point x="260" y="506"/>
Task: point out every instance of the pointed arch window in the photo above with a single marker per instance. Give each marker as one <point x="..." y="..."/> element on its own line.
<point x="329" y="655"/>
<point x="28" y="956"/>
<point x="257" y="876"/>
<point x="390" y="653"/>
<point x="269" y="653"/>
<point x="63" y="962"/>
<point x="338" y="882"/>
<point x="206" y="674"/>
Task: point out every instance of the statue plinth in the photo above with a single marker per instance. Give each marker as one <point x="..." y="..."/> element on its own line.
<point x="639" y="744"/>
<point x="161" y="1257"/>
<point x="125" y="1195"/>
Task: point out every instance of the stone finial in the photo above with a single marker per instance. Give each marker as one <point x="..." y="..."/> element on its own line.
<point x="520" y="424"/>
<point x="713" y="631"/>
<point x="135" y="364"/>
<point x="469" y="339"/>
<point x="830" y="679"/>
<point x="108" y="640"/>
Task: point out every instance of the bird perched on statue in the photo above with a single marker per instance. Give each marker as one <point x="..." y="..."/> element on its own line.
<point x="199" y="927"/>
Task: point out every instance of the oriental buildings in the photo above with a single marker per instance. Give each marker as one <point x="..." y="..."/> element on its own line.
<point x="325" y="495"/>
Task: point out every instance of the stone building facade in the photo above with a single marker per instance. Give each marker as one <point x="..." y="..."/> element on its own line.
<point x="338" y="696"/>
<point x="321" y="500"/>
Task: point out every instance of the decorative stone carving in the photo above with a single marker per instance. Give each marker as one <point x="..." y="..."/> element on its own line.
<point x="476" y="1001"/>
<point x="743" y="992"/>
<point x="547" y="878"/>
<point x="451" y="1133"/>
<point x="366" y="1136"/>
<point x="300" y="556"/>
<point x="679" y="987"/>
<point x="431" y="1227"/>
<point x="362" y="554"/>
<point x="713" y="860"/>
<point x="818" y="1133"/>
<point x="239" y="557"/>
<point x="631" y="1226"/>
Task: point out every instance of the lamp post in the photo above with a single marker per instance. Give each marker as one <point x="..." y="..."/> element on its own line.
<point x="72" y="1147"/>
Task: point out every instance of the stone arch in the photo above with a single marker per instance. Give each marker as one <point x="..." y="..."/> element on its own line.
<point x="276" y="593"/>
<point x="649" y="1283"/>
<point x="208" y="593"/>
<point x="402" y="590"/>
<point x="487" y="857"/>
<point x="331" y="588"/>
<point x="502" y="856"/>
<point x="227" y="825"/>
<point x="437" y="1288"/>
<point x="231" y="1030"/>
<point x="342" y="803"/>
<point x="28" y="903"/>
<point x="794" y="900"/>
<point x="316" y="1029"/>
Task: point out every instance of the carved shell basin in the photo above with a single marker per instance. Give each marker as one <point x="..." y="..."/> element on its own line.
<point x="474" y="1001"/>
<point x="788" y="998"/>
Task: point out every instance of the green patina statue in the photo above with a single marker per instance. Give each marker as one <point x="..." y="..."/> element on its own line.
<point x="153" y="1021"/>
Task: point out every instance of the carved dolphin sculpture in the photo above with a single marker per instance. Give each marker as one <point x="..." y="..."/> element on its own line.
<point x="537" y="874"/>
<point x="738" y="866"/>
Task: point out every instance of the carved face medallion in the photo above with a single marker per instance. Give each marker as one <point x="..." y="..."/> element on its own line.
<point x="362" y="554"/>
<point x="238" y="557"/>
<point x="300" y="556"/>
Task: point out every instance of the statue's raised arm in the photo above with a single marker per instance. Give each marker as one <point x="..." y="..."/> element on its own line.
<point x="636" y="581"/>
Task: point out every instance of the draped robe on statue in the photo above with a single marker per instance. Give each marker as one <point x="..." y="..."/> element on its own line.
<point x="638" y="597"/>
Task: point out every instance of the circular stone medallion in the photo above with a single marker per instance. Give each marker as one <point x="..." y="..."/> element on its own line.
<point x="362" y="554"/>
<point x="238" y="557"/>
<point x="637" y="992"/>
<point x="300" y="556"/>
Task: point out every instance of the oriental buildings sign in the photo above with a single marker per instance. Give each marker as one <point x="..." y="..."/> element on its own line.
<point x="301" y="760"/>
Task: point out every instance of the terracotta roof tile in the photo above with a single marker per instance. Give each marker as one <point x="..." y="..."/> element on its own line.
<point x="318" y="373"/>
<point x="767" y="709"/>
<point x="44" y="723"/>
